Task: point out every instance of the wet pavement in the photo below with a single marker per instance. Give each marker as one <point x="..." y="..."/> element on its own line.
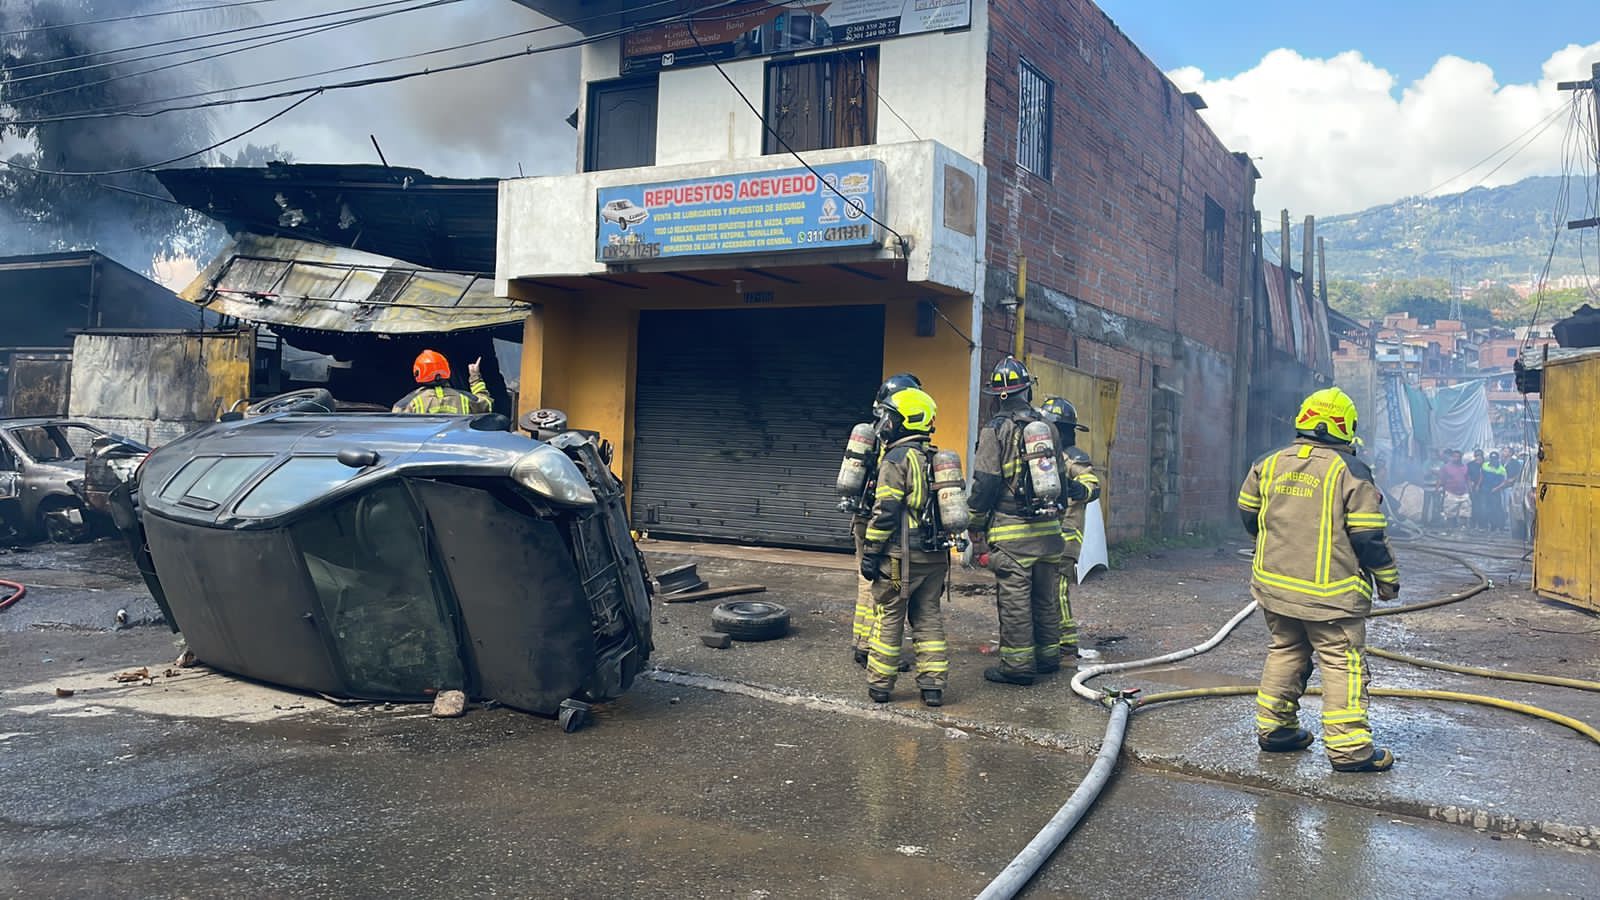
<point x="762" y="771"/>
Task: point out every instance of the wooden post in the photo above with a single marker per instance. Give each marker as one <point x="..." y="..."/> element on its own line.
<point x="1243" y="345"/>
<point x="1285" y="260"/>
<point x="1307" y="241"/>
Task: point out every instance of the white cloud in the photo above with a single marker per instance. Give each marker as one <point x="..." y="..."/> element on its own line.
<point x="1334" y="135"/>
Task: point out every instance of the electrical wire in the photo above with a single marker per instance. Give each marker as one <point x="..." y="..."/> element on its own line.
<point x="903" y="245"/>
<point x="295" y="34"/>
<point x="1558" y="214"/>
<point x="13" y="78"/>
<point x="166" y="162"/>
<point x="1545" y="120"/>
<point x="128" y="18"/>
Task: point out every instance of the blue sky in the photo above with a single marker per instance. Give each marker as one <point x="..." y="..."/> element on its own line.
<point x="1403" y="36"/>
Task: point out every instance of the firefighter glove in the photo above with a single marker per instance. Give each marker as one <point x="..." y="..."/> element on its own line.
<point x="872" y="567"/>
<point x="1077" y="490"/>
<point x="1388" y="590"/>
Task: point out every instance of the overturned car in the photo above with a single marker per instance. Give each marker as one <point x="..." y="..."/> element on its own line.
<point x="390" y="557"/>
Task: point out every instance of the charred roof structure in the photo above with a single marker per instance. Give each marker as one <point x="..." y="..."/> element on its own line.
<point x="46" y="296"/>
<point x="438" y="223"/>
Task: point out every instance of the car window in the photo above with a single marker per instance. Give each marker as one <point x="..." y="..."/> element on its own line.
<point x="380" y="596"/>
<point x="293" y="483"/>
<point x="205" y="481"/>
<point x="55" y="443"/>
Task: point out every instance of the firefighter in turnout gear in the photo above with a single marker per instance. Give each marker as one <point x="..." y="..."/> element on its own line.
<point x="861" y="628"/>
<point x="435" y="396"/>
<point x="1077" y="467"/>
<point x="1016" y="525"/>
<point x="903" y="555"/>
<point x="1320" y="554"/>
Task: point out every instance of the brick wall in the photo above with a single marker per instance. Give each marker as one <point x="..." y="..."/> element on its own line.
<point x="1117" y="235"/>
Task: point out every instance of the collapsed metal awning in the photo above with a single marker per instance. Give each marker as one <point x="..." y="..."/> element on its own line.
<point x="300" y="284"/>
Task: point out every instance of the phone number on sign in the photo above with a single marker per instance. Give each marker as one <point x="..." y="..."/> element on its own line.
<point x="833" y="235"/>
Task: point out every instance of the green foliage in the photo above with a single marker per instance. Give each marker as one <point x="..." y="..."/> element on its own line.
<point x="50" y="73"/>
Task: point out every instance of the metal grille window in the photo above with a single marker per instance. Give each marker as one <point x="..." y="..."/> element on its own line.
<point x="822" y="102"/>
<point x="1216" y="225"/>
<point x="1034" y="120"/>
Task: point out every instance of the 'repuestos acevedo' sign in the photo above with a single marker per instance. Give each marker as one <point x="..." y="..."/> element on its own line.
<point x="760" y="212"/>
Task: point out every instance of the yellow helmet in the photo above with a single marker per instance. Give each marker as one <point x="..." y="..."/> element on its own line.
<point x="1328" y="413"/>
<point x="913" y="410"/>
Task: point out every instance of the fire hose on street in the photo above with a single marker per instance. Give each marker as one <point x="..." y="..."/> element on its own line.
<point x="17" y="592"/>
<point x="1122" y="703"/>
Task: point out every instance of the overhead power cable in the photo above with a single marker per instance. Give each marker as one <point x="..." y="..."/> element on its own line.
<point x="305" y="31"/>
<point x="225" y="32"/>
<point x="1545" y="120"/>
<point x="153" y="14"/>
<point x="133" y="111"/>
<point x="166" y="162"/>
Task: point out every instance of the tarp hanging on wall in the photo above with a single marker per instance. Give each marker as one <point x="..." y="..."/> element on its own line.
<point x="1461" y="418"/>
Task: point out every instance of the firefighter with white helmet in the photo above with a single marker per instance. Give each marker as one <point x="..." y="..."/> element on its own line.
<point x="905" y="554"/>
<point x="1321" y="553"/>
<point x="1016" y="503"/>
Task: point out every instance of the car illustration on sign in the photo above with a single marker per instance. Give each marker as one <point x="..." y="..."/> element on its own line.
<point x="623" y="212"/>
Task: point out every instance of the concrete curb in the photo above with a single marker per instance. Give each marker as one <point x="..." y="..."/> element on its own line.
<point x="1484" y="820"/>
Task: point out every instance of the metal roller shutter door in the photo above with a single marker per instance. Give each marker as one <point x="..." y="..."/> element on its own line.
<point x="740" y="419"/>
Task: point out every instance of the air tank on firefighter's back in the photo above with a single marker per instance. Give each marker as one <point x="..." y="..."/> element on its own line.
<point x="1039" y="449"/>
<point x="949" y="485"/>
<point x="858" y="450"/>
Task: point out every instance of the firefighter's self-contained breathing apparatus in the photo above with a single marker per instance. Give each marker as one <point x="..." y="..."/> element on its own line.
<point x="857" y="473"/>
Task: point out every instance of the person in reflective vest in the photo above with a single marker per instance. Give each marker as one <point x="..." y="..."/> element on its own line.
<point x="1016" y="528"/>
<point x="1077" y="467"/>
<point x="1321" y="552"/>
<point x="907" y="574"/>
<point x="436" y="397"/>
<point x="861" y="627"/>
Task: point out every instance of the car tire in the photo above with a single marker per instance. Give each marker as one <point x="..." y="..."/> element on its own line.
<point x="623" y="224"/>
<point x="307" y="400"/>
<point x="751" y="620"/>
<point x="59" y="531"/>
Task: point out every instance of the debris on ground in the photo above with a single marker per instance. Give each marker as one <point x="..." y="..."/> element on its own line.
<point x="717" y="640"/>
<point x="449" y="705"/>
<point x="65" y="692"/>
<point x="185" y="659"/>
<point x="732" y="590"/>
<point x="140" y="674"/>
<point x="680" y="579"/>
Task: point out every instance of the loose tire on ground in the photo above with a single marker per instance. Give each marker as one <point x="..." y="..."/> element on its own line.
<point x="751" y="620"/>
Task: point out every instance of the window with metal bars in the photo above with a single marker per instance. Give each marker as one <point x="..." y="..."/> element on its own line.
<point x="1216" y="226"/>
<point x="822" y="102"/>
<point x="1035" y="116"/>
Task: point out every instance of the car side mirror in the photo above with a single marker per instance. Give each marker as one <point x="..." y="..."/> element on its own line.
<point x="358" y="457"/>
<point x="491" y="422"/>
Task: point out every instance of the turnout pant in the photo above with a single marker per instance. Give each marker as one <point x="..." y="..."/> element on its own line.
<point x="1032" y="598"/>
<point x="861" y="627"/>
<point x="920" y="604"/>
<point x="1068" y="573"/>
<point x="1339" y="648"/>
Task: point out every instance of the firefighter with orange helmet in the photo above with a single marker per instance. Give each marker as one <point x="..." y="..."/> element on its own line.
<point x="435" y="396"/>
<point x="1320" y="555"/>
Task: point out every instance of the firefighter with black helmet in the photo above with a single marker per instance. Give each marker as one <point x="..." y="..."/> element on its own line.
<point x="861" y="504"/>
<point x="1321" y="553"/>
<point x="1016" y="502"/>
<point x="435" y="395"/>
<point x="1077" y="467"/>
<point x="903" y="556"/>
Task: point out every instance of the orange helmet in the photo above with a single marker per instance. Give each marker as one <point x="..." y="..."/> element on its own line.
<point x="430" y="366"/>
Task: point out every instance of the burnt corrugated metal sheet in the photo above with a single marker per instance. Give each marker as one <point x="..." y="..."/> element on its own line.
<point x="741" y="416"/>
<point x="299" y="284"/>
<point x="440" y="223"/>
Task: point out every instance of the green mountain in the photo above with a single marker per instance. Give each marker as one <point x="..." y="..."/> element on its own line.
<point x="1502" y="233"/>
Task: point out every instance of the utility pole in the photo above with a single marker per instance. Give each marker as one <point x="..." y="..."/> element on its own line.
<point x="1593" y="87"/>
<point x="1296" y="334"/>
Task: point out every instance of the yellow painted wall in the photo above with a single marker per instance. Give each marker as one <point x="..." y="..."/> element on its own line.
<point x="1566" y="565"/>
<point x="580" y="352"/>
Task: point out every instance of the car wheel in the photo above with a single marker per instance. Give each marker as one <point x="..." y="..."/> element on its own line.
<point x="63" y="521"/>
<point x="751" y="620"/>
<point x="308" y="400"/>
<point x="623" y="224"/>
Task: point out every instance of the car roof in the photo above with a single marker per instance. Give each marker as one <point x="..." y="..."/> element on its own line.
<point x="33" y="421"/>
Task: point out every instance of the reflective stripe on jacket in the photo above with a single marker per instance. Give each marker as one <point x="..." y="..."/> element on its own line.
<point x="904" y="494"/>
<point x="1319" y="536"/>
<point x="1078" y="468"/>
<point x="438" y="399"/>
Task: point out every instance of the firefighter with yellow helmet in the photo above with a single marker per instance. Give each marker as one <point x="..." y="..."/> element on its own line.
<point x="435" y="395"/>
<point x="1017" y="495"/>
<point x="1321" y="553"/>
<point x="903" y="555"/>
<point x="1077" y="467"/>
<point x="860" y="500"/>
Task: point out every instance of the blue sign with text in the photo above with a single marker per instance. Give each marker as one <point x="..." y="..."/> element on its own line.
<point x="827" y="206"/>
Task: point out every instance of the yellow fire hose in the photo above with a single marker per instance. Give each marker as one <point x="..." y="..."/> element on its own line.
<point x="1557" y="681"/>
<point x="1582" y="728"/>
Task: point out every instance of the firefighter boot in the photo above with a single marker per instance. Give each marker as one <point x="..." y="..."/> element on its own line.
<point x="1285" y="740"/>
<point x="1380" y="761"/>
<point x="860" y="657"/>
<point x="879" y="695"/>
<point x="932" y="697"/>
<point x="1001" y="676"/>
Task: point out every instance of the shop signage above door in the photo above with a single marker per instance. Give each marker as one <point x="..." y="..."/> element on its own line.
<point x="763" y="28"/>
<point x="758" y="212"/>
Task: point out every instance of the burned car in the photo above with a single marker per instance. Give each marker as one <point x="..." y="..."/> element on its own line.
<point x="390" y="557"/>
<point x="42" y="474"/>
